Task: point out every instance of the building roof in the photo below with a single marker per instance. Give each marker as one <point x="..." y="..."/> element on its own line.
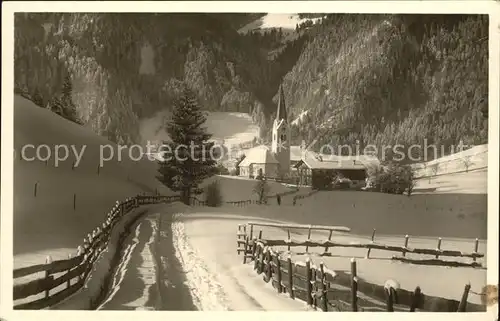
<point x="259" y="155"/>
<point x="295" y="153"/>
<point x="281" y="112"/>
<point x="317" y="161"/>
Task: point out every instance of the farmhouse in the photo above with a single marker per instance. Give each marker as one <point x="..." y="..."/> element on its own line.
<point x="319" y="171"/>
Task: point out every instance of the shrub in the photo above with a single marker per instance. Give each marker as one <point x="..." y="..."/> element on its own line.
<point x="221" y="170"/>
<point x="393" y="178"/>
<point x="213" y="196"/>
<point x="261" y="188"/>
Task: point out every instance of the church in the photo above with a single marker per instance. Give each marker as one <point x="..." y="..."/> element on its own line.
<point x="274" y="161"/>
<point x="281" y="160"/>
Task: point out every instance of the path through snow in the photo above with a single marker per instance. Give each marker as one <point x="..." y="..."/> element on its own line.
<point x="165" y="267"/>
<point x="160" y="271"/>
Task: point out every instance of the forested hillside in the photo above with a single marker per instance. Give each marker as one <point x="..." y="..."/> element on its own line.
<point x="379" y="79"/>
<point x="389" y="80"/>
<point x="106" y="56"/>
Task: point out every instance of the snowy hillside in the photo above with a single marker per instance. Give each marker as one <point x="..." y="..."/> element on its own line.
<point x="286" y="21"/>
<point x="277" y="21"/>
<point x="229" y="128"/>
<point x="463" y="172"/>
<point x="48" y="224"/>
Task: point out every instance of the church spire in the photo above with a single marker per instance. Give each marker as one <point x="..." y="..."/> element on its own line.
<point x="281" y="113"/>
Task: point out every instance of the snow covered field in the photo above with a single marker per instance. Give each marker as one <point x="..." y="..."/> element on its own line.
<point x="233" y="128"/>
<point x="234" y="188"/>
<point x="188" y="261"/>
<point x="48" y="224"/>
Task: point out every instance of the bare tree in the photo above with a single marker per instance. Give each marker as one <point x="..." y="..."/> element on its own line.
<point x="434" y="169"/>
<point x="467" y="161"/>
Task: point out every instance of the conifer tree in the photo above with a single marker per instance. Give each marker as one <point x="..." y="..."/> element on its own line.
<point x="68" y="106"/>
<point x="186" y="157"/>
<point x="37" y="98"/>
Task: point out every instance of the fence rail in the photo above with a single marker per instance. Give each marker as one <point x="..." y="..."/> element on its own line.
<point x="330" y="290"/>
<point x="242" y="203"/>
<point x="60" y="272"/>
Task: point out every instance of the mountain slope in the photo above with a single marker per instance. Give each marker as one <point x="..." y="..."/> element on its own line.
<point x="391" y="79"/>
<point x="46" y="223"/>
<point x="125" y="67"/>
<point x="379" y="79"/>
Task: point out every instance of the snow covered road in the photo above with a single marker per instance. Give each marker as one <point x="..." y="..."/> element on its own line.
<point x="166" y="267"/>
<point x="149" y="275"/>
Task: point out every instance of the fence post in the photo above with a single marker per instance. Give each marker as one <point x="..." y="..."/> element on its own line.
<point x="74" y="201"/>
<point x="329" y="239"/>
<point x="415" y="299"/>
<point x="245" y="250"/>
<point x="308" y="239"/>
<point x="290" y="276"/>
<point x="354" y="286"/>
<point x="314" y="287"/>
<point x="406" y="244"/>
<point x="254" y="249"/>
<point x="36" y="188"/>
<point x="372" y="240"/>
<point x="256" y="255"/>
<point x="289" y="239"/>
<point x="68" y="283"/>
<point x="260" y="235"/>
<point x="438" y="247"/>
<point x="389" y="300"/>
<point x="98" y="169"/>
<point x="78" y="253"/>
<point x="476" y="247"/>
<point x="308" y="282"/>
<point x="251" y="231"/>
<point x="278" y="276"/>
<point x="269" y="271"/>
<point x="324" y="299"/>
<point x="462" y="306"/>
<point x="390" y="288"/>
<point x="48" y="260"/>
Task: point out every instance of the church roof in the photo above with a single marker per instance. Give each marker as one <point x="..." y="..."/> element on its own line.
<point x="281" y="112"/>
<point x="259" y="155"/>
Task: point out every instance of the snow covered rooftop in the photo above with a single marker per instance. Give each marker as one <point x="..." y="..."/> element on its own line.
<point x="259" y="155"/>
<point x="323" y="161"/>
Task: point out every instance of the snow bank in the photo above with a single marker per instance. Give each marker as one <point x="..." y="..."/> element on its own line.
<point x="215" y="244"/>
<point x="214" y="236"/>
<point x="100" y="274"/>
<point x="207" y="292"/>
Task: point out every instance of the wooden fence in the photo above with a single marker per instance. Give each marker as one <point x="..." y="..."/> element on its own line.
<point x="302" y="196"/>
<point x="73" y="271"/>
<point x="243" y="203"/>
<point x="327" y="290"/>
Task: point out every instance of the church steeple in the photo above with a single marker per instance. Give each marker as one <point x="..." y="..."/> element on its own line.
<point x="280" y="145"/>
<point x="281" y="112"/>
